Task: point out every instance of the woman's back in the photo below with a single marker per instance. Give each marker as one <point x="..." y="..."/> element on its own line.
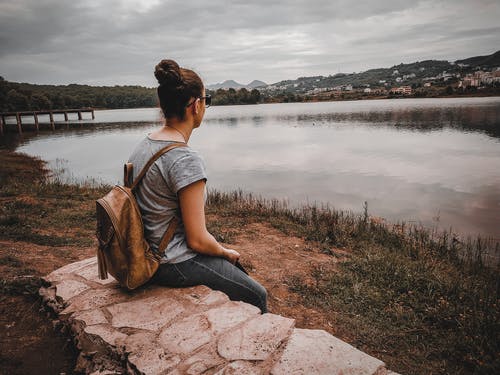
<point x="175" y="187"/>
<point x="157" y="193"/>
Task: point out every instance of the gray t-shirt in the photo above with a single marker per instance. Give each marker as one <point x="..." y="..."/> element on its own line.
<point x="157" y="193"/>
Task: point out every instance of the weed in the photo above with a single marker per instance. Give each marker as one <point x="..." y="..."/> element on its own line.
<point x="26" y="284"/>
<point x="10" y="261"/>
<point x="423" y="301"/>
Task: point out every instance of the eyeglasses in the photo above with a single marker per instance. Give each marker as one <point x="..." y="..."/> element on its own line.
<point x="208" y="100"/>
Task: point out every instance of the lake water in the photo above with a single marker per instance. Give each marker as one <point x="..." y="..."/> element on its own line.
<point x="430" y="161"/>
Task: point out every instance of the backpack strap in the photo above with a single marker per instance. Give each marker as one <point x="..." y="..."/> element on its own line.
<point x="152" y="160"/>
<point x="168" y="235"/>
<point x="128" y="173"/>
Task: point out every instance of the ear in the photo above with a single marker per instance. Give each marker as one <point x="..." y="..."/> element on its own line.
<point x="196" y="106"/>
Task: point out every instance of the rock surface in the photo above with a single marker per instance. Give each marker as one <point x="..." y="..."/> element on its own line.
<point x="157" y="330"/>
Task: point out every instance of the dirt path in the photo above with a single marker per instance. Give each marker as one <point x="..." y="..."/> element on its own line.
<point x="276" y="260"/>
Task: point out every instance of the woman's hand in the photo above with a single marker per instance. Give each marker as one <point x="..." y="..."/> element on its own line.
<point x="231" y="255"/>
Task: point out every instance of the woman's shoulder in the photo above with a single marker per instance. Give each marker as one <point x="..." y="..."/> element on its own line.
<point x="182" y="155"/>
<point x="147" y="147"/>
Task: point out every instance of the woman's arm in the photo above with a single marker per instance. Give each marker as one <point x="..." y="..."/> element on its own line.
<point x="192" y="205"/>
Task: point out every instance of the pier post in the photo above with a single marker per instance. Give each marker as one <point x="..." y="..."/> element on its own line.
<point x="35" y="115"/>
<point x="19" y="125"/>
<point x="52" y="125"/>
<point x="19" y="118"/>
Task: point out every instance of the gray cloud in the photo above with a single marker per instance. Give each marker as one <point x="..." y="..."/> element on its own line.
<point x="119" y="42"/>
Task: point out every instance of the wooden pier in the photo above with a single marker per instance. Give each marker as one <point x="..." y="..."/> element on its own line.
<point x="35" y="114"/>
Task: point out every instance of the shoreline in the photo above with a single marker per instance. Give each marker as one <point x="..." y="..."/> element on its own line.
<point x="460" y="235"/>
<point x="325" y="100"/>
<point x="400" y="294"/>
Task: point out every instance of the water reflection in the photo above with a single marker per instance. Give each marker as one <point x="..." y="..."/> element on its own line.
<point x="481" y="119"/>
<point x="430" y="162"/>
<point x="13" y="140"/>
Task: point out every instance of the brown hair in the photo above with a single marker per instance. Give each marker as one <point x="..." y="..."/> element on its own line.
<point x="176" y="87"/>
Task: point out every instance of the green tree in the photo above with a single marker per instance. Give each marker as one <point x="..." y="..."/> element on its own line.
<point x="17" y="101"/>
<point x="254" y="96"/>
<point x="40" y="102"/>
<point x="58" y="101"/>
<point x="243" y="96"/>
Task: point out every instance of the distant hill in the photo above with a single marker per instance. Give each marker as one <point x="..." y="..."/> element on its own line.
<point x="228" y="84"/>
<point x="402" y="74"/>
<point x="397" y="75"/>
<point x="255" y="83"/>
<point x="492" y="60"/>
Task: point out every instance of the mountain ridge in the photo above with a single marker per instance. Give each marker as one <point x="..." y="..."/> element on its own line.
<point x="420" y="69"/>
<point x="396" y="75"/>
<point x="229" y="83"/>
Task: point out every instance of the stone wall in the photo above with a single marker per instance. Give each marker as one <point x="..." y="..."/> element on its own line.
<point x="158" y="330"/>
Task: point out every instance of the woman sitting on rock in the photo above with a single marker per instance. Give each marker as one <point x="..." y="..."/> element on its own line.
<point x="175" y="187"/>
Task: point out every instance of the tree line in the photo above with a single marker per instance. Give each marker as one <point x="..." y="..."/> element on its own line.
<point x="232" y="96"/>
<point x="16" y="96"/>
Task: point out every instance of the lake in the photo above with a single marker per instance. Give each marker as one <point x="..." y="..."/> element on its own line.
<point x="434" y="162"/>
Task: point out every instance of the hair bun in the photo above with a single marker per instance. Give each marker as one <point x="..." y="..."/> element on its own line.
<point x="168" y="73"/>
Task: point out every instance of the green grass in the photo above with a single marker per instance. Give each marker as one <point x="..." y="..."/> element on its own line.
<point x="42" y="210"/>
<point x="10" y="261"/>
<point x="26" y="284"/>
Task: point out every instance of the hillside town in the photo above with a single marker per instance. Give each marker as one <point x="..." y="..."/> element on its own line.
<point x="398" y="84"/>
<point x="479" y="75"/>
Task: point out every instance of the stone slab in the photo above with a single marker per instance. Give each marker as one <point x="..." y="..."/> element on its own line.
<point x="67" y="289"/>
<point x="211" y="298"/>
<point x="317" y="352"/>
<point x="256" y="339"/>
<point x="153" y="361"/>
<point x="150" y="313"/>
<point x="240" y="368"/>
<point x="92" y="299"/>
<point x="229" y="315"/>
<point x="90" y="272"/>
<point x="159" y="330"/>
<point x="201" y="361"/>
<point x="137" y="342"/>
<point x="144" y="354"/>
<point x="186" y="335"/>
<point x="105" y="332"/>
<point x="91" y="317"/>
<point x="62" y="272"/>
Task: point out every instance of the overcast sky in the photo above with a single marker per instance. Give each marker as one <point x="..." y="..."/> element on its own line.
<point x="118" y="42"/>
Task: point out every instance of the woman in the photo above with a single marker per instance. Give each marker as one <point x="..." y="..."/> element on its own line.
<point x="175" y="187"/>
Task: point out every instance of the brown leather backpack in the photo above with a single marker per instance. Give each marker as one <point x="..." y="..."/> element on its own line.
<point x="122" y="250"/>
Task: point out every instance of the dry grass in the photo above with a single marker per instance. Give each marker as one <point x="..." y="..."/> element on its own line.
<point x="422" y="301"/>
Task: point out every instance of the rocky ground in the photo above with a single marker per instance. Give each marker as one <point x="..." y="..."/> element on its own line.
<point x="29" y="342"/>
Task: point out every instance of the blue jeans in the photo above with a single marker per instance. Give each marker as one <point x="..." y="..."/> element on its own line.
<point x="216" y="273"/>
